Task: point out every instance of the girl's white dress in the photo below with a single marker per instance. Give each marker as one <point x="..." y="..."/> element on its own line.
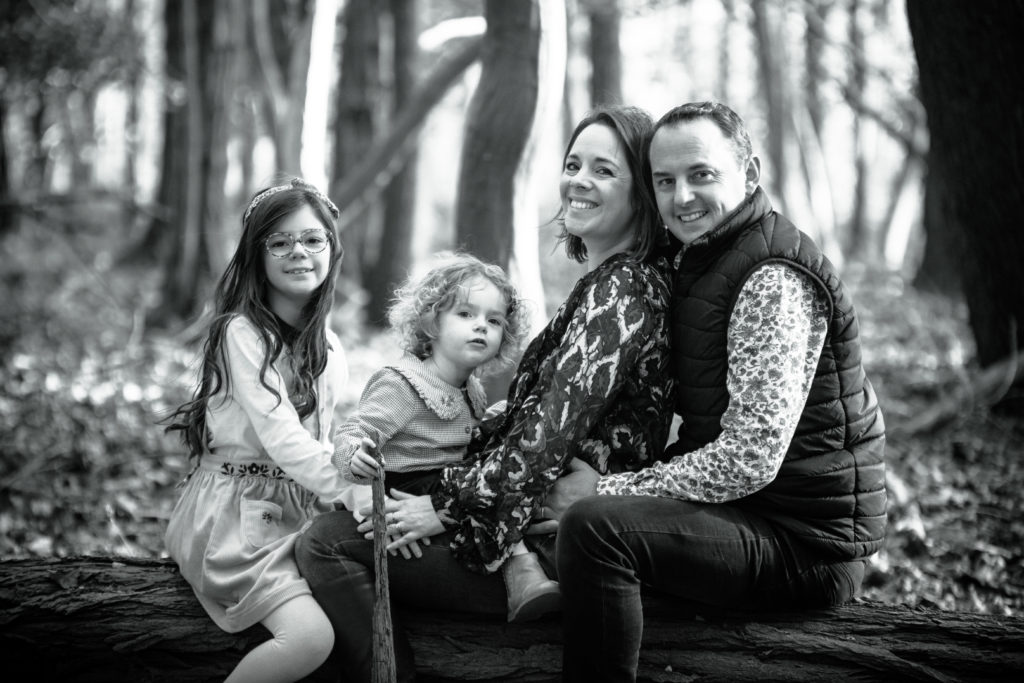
<point x="264" y="477"/>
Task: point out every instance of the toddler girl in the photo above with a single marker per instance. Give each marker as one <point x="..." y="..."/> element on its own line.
<point x="420" y="413"/>
<point x="258" y="430"/>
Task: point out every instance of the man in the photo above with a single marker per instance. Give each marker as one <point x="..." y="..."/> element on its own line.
<point x="774" y="491"/>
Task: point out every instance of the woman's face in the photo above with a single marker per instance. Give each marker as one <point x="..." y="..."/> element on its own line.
<point x="595" y="189"/>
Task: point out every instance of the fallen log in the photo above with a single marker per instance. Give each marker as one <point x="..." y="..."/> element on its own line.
<point x="117" y="619"/>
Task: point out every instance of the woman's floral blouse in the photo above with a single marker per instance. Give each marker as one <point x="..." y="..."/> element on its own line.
<point x="595" y="384"/>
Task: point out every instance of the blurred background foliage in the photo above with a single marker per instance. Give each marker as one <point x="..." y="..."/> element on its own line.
<point x="133" y="131"/>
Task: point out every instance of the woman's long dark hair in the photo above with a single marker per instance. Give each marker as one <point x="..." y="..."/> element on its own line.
<point x="633" y="127"/>
<point x="242" y="291"/>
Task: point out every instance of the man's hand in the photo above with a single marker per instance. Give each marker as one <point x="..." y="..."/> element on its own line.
<point x="580" y="482"/>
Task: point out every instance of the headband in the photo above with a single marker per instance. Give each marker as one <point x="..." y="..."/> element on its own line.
<point x="298" y="184"/>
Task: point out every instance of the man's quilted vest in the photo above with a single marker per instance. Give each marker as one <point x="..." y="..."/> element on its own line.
<point x="830" y="490"/>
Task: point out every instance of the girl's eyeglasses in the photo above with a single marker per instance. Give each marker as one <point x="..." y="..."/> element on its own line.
<point x="281" y="244"/>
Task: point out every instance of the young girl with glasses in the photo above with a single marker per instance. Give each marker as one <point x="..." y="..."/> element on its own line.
<point x="258" y="430"/>
<point x="460" y="320"/>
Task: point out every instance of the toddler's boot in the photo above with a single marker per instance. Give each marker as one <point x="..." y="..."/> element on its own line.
<point x="531" y="594"/>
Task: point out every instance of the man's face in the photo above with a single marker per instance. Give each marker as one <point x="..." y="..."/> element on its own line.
<point x="697" y="179"/>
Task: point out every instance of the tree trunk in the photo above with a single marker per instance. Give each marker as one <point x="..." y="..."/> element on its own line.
<point x="944" y="243"/>
<point x="816" y="16"/>
<point x="400" y="196"/>
<point x="774" y="91"/>
<point x="497" y="128"/>
<point x="605" y="54"/>
<point x="966" y="56"/>
<point x="155" y="245"/>
<point x="7" y="209"/>
<point x="810" y="123"/>
<point x="89" y="619"/>
<point x="357" y="110"/>
<point x="37" y="169"/>
<point x="282" y="35"/>
<point x="133" y="89"/>
<point x="524" y="266"/>
<point x="857" y="236"/>
<point x="211" y="39"/>
<point x="726" y="47"/>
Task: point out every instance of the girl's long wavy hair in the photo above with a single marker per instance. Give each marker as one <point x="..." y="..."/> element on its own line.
<point x="242" y="291"/>
<point x="633" y="127"/>
<point x="418" y="302"/>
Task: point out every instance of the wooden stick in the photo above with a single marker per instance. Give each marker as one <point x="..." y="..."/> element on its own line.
<point x="383" y="630"/>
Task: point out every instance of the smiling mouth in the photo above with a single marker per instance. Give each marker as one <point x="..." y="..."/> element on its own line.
<point x="299" y="271"/>
<point x="581" y="204"/>
<point x="691" y="217"/>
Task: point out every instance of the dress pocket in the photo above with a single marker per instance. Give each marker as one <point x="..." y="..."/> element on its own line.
<point x="261" y="522"/>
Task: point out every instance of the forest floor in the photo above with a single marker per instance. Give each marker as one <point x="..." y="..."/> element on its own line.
<point x="86" y="469"/>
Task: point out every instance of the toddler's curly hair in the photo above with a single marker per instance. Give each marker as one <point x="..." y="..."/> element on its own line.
<point x="418" y="302"/>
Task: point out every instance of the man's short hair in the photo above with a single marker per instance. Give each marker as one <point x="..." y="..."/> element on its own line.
<point x="728" y="121"/>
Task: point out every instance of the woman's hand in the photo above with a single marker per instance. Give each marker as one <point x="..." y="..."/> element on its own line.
<point x="411" y="520"/>
<point x="364" y="464"/>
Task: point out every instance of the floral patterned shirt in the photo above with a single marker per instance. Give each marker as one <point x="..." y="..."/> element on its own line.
<point x="775" y="337"/>
<point x="594" y="385"/>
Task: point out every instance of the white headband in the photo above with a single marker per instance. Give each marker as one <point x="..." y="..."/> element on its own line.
<point x="298" y="184"/>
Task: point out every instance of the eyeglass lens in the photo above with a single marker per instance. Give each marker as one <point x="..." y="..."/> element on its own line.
<point x="280" y="244"/>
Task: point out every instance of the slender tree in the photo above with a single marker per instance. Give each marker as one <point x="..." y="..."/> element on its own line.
<point x="203" y="50"/>
<point x="966" y="56"/>
<point x="357" y="111"/>
<point x="282" y="33"/>
<point x="810" y="120"/>
<point x="774" y="90"/>
<point x="605" y="53"/>
<point x="857" y="233"/>
<point x="497" y="128"/>
<point x="816" y="15"/>
<point x="725" y="49"/>
<point x="400" y="195"/>
<point x="7" y="212"/>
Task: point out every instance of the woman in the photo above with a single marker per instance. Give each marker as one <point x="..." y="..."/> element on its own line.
<point x="593" y="385"/>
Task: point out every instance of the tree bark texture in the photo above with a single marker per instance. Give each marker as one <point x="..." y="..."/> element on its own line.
<point x="357" y="114"/>
<point x="967" y="55"/>
<point x="206" y="57"/>
<point x="775" y="91"/>
<point x="394" y="253"/>
<point x="7" y="211"/>
<point x="92" y="619"/>
<point x="942" y="261"/>
<point x="605" y="55"/>
<point x="857" y="230"/>
<point x="282" y="35"/>
<point x="497" y="128"/>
